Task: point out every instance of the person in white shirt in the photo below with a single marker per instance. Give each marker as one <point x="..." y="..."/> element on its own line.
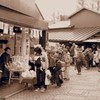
<point x="97" y="58"/>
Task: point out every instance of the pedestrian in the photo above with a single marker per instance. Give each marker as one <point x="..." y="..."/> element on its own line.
<point x="68" y="60"/>
<point x="45" y="66"/>
<point x="88" y="58"/>
<point x="97" y="58"/>
<point x="72" y="52"/>
<point x="52" y="62"/>
<point x="5" y="61"/>
<point x="79" y="61"/>
<point x="57" y="73"/>
<point x="37" y="59"/>
<point x="41" y="63"/>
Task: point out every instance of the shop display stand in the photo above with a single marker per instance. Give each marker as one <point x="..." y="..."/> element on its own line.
<point x="12" y="77"/>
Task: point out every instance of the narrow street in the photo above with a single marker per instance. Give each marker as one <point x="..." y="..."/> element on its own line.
<point x="38" y="34"/>
<point x="79" y="87"/>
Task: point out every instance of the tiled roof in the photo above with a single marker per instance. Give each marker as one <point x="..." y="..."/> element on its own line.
<point x="75" y="34"/>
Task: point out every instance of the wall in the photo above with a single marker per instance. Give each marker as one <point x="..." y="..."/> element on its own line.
<point x="10" y="43"/>
<point x="86" y="18"/>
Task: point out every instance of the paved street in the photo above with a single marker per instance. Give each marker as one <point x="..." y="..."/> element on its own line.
<point x="79" y="87"/>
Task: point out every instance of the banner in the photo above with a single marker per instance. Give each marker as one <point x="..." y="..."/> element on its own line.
<point x="31" y="33"/>
<point x="6" y="28"/>
<point x="11" y="30"/>
<point x="1" y="25"/>
<point x="40" y="32"/>
<point x="37" y="34"/>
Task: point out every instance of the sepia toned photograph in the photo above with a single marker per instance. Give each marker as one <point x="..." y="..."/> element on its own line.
<point x="49" y="49"/>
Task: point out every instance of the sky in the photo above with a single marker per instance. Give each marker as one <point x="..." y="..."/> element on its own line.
<point x="64" y="7"/>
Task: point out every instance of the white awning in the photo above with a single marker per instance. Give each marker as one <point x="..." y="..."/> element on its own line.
<point x="92" y="40"/>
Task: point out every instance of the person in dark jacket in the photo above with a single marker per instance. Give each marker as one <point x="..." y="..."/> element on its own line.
<point x="5" y="60"/>
<point x="57" y="73"/>
<point x="79" y="61"/>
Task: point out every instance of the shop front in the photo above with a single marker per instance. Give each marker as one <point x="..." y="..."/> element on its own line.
<point x="15" y="25"/>
<point x="20" y="31"/>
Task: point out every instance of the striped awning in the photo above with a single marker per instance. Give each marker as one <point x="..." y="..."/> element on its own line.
<point x="75" y="34"/>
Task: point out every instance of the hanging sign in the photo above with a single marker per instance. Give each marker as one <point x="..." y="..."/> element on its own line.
<point x="37" y="34"/>
<point x="11" y="30"/>
<point x="1" y="25"/>
<point x="40" y="32"/>
<point x="6" y="28"/>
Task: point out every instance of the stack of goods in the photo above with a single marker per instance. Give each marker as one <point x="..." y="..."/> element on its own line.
<point x="19" y="66"/>
<point x="19" y="63"/>
<point x="29" y="74"/>
<point x="28" y="77"/>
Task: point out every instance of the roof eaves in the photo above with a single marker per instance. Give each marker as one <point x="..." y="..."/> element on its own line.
<point x="94" y="11"/>
<point x="75" y="13"/>
<point x="39" y="10"/>
<point x="68" y="27"/>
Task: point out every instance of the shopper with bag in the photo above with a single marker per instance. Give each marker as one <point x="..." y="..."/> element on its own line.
<point x="41" y="63"/>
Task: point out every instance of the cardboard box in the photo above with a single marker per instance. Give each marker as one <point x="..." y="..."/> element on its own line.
<point x="28" y="80"/>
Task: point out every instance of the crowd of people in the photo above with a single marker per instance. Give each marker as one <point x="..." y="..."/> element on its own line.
<point x="52" y="63"/>
<point x="58" y="59"/>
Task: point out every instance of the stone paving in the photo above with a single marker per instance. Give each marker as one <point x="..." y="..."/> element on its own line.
<point x="8" y="90"/>
<point x="79" y="87"/>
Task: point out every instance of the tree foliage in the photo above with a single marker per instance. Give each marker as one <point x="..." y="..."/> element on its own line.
<point x="98" y="4"/>
<point x="56" y="17"/>
<point x="81" y="3"/>
<point x="92" y="4"/>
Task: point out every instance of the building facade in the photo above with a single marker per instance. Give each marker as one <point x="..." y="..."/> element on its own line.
<point x="86" y="25"/>
<point x="25" y="16"/>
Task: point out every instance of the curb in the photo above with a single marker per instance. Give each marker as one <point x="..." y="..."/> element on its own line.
<point x="13" y="94"/>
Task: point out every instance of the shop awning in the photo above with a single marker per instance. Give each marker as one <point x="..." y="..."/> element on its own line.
<point x="93" y="40"/>
<point x="14" y="17"/>
<point x="75" y="34"/>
